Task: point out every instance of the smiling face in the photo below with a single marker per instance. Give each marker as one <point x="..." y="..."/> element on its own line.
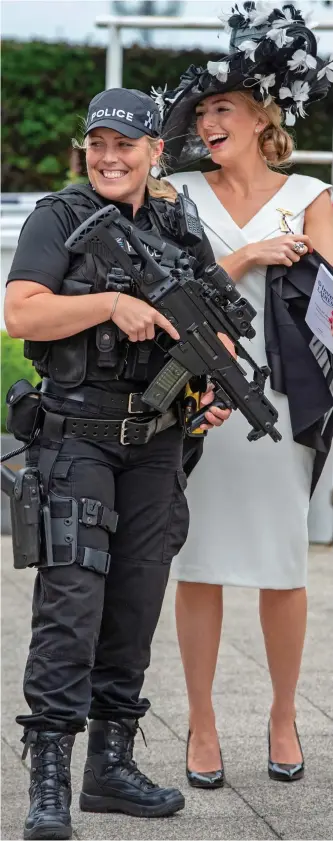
<point x="118" y="166"/>
<point x="228" y="126"/>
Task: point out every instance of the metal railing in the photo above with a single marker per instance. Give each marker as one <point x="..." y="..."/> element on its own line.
<point x="114" y="55"/>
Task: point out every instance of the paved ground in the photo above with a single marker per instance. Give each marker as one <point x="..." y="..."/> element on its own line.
<point x="251" y="806"/>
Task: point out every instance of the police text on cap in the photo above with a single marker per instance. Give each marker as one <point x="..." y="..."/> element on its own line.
<point x="104" y="112"/>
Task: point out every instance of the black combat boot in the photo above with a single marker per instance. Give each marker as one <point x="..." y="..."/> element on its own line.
<point x="50" y="788"/>
<point x="112" y="781"/>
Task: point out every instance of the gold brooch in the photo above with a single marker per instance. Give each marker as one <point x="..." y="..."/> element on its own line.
<point x="284" y="226"/>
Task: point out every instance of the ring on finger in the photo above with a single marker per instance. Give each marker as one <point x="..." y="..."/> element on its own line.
<point x="298" y="247"/>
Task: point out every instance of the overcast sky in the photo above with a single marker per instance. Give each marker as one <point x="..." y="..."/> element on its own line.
<point x="74" y="20"/>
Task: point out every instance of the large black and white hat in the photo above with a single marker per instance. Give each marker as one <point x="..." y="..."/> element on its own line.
<point x="273" y="53"/>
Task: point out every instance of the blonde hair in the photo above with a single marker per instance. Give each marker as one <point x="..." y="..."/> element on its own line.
<point x="156" y="188"/>
<point x="160" y="189"/>
<point x="275" y="144"/>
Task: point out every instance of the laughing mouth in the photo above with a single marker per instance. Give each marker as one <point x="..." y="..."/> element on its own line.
<point x="113" y="174"/>
<point x="216" y="140"/>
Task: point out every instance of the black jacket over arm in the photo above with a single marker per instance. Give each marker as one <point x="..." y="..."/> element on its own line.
<point x="301" y="367"/>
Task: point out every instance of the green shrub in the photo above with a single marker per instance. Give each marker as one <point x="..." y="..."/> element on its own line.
<point x="13" y="367"/>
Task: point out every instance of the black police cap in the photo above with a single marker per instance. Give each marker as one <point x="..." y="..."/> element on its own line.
<point x="130" y="112"/>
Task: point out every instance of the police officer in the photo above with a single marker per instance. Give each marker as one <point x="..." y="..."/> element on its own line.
<point x="113" y="473"/>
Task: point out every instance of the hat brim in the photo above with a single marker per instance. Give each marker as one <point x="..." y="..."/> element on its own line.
<point x="117" y="125"/>
<point x="182" y="147"/>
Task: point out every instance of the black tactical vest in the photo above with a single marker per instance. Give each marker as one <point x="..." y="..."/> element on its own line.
<point x="95" y="354"/>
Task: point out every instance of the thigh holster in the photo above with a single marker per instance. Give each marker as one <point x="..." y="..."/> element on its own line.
<point x="66" y="514"/>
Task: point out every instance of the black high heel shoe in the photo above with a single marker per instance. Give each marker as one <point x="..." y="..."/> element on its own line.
<point x="281" y="771"/>
<point x="204" y="779"/>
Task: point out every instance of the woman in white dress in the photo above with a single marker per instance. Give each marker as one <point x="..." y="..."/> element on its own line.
<point x="254" y="508"/>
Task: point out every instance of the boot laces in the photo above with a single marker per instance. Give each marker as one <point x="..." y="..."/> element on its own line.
<point x="125" y="758"/>
<point x="138" y="776"/>
<point x="47" y="783"/>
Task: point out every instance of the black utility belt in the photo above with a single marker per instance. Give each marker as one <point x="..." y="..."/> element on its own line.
<point x="105" y="401"/>
<point x="127" y="431"/>
<point x="27" y="415"/>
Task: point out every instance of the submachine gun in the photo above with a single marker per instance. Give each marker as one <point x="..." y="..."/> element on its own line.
<point x="198" y="309"/>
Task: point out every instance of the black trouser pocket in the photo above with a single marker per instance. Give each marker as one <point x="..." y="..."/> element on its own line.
<point x="179" y="519"/>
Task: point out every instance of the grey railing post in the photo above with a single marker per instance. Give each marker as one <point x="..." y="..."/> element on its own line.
<point x="114" y="59"/>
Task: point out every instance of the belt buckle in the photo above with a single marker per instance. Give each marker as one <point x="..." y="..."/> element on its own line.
<point x="123" y="432"/>
<point x="130" y="401"/>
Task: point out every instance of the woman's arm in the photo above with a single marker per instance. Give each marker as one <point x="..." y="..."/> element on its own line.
<point x="35" y="310"/>
<point x="32" y="311"/>
<point x="277" y="251"/>
<point x="239" y="262"/>
<point x="318" y="225"/>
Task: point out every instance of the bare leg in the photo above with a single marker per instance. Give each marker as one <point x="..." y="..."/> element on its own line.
<point x="283" y="621"/>
<point x="199" y="620"/>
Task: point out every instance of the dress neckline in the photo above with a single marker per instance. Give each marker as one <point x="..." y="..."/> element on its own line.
<point x="262" y="210"/>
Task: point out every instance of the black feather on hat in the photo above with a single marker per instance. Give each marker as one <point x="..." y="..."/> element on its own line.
<point x="273" y="54"/>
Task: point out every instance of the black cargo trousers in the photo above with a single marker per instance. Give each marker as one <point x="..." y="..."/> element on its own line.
<point x="91" y="632"/>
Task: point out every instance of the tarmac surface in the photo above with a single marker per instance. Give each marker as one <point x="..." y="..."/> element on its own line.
<point x="250" y="806"/>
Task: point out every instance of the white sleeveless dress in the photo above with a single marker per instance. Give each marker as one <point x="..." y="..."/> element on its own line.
<point x="249" y="501"/>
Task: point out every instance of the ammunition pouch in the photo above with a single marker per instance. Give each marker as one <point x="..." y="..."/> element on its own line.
<point x="24" y="410"/>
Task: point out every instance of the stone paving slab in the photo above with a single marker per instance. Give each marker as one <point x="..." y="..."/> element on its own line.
<point x="251" y="806"/>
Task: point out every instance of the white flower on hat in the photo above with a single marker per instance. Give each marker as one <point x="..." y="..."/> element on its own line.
<point x="310" y="22"/>
<point x="286" y="20"/>
<point x="290" y="118"/>
<point x="299" y="92"/>
<point x="249" y="48"/>
<point x="265" y="82"/>
<point x="158" y="97"/>
<point x="220" y="69"/>
<point x="172" y="99"/>
<point x="301" y="60"/>
<point x="280" y="38"/>
<point x="327" y="70"/>
<point x="260" y="14"/>
<point x="224" y="18"/>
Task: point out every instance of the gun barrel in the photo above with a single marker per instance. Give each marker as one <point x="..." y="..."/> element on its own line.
<point x="7" y="480"/>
